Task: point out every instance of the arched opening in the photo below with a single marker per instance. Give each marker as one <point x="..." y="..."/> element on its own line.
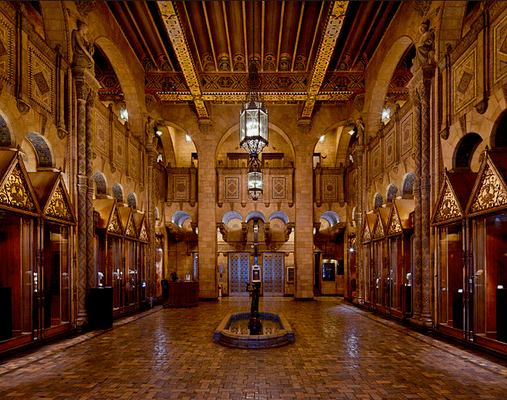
<point x="118" y="192"/>
<point x="408" y="185"/>
<point x="465" y="149"/>
<point x="392" y="192"/>
<point x="100" y="183"/>
<point x="42" y="150"/>
<point x="377" y="201"/>
<point x="132" y="200"/>
<point x="5" y="134"/>
<point x="499" y="137"/>
<point x="180" y="217"/>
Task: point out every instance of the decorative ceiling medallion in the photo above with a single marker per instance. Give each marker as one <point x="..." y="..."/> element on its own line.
<point x="114" y="223"/>
<point x="131" y="230"/>
<point x="394" y="225"/>
<point x="15" y="192"/>
<point x="490" y="193"/>
<point x="378" y="231"/>
<point x="448" y="208"/>
<point x="58" y="206"/>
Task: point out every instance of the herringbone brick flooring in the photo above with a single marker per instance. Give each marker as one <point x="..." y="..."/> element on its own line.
<point x="341" y="352"/>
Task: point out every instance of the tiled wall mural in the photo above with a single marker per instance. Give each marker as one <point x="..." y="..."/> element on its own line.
<point x="40" y="80"/>
<point x="278" y="188"/>
<point x="231" y="188"/>
<point x="464" y="79"/>
<point x="6" y="51"/>
<point x="330" y="188"/>
<point x="500" y="49"/>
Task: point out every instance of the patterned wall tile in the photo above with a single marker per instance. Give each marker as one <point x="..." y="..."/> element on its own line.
<point x="44" y="158"/>
<point x="134" y="161"/>
<point x="464" y="78"/>
<point x="40" y="80"/>
<point x="5" y="133"/>
<point x="375" y="162"/>
<point x="231" y="188"/>
<point x="406" y="134"/>
<point x="389" y="149"/>
<point x="500" y="49"/>
<point x="6" y="52"/>
<point x="119" y="148"/>
<point x="181" y="188"/>
<point x="330" y="188"/>
<point x="278" y="188"/>
<point x="102" y="136"/>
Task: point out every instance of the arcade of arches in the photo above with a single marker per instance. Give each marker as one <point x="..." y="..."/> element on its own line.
<point x="384" y="178"/>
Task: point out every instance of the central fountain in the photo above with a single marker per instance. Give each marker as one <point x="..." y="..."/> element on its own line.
<point x="254" y="330"/>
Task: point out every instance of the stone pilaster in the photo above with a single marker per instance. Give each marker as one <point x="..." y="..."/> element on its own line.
<point x="303" y="241"/>
<point x="208" y="286"/>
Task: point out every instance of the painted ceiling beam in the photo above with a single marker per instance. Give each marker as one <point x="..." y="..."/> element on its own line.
<point x="180" y="45"/>
<point x="324" y="53"/>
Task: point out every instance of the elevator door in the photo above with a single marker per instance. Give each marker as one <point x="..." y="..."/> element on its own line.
<point x="239" y="267"/>
<point x="272" y="265"/>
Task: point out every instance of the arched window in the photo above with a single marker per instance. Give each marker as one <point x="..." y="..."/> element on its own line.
<point x="118" y="192"/>
<point x="100" y="183"/>
<point x="465" y="150"/>
<point x="230" y="215"/>
<point x="331" y="217"/>
<point x="377" y="200"/>
<point x="408" y="185"/>
<point x="392" y="192"/>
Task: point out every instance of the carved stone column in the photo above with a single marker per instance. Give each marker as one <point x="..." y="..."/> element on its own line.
<point x="85" y="83"/>
<point x="90" y="115"/>
<point x="428" y="73"/>
<point x="417" y="281"/>
<point x="358" y="157"/>
<point x="151" y="157"/>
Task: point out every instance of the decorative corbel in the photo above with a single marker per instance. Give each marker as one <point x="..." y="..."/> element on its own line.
<point x="304" y="125"/>
<point x="205" y="125"/>
<point x="288" y="229"/>
<point x="244" y="230"/>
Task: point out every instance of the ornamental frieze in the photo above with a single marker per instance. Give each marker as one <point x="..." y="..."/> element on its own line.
<point x="491" y="192"/>
<point x="366" y="233"/>
<point x="143" y="236"/>
<point x="378" y="232"/>
<point x="395" y="225"/>
<point x="15" y="193"/>
<point x="114" y="224"/>
<point x="449" y="208"/>
<point x="131" y="231"/>
<point x="58" y="206"/>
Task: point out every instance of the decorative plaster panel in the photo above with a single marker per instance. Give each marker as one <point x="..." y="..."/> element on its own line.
<point x="465" y="81"/>
<point x="6" y="52"/>
<point x="40" y="80"/>
<point x="500" y="49"/>
<point x="406" y="134"/>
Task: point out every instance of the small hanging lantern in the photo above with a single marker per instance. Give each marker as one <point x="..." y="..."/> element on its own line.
<point x="254" y="178"/>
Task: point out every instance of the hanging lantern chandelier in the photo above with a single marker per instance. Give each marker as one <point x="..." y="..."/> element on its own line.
<point x="253" y="119"/>
<point x="254" y="178"/>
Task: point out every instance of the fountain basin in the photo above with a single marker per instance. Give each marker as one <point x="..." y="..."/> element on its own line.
<point x="276" y="332"/>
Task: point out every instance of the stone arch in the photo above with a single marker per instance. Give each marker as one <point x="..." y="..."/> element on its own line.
<point x="465" y="150"/>
<point x="6" y="139"/>
<point x="118" y="192"/>
<point x="230" y="215"/>
<point x="132" y="200"/>
<point x="382" y="80"/>
<point x="100" y="183"/>
<point x="279" y="215"/>
<point x="377" y="200"/>
<point x="391" y="193"/>
<point x="255" y="214"/>
<point x="499" y="134"/>
<point x="272" y="127"/>
<point x="56" y="26"/>
<point x="179" y="217"/>
<point x="331" y="217"/>
<point x="408" y="185"/>
<point x="134" y="99"/>
<point x="42" y="149"/>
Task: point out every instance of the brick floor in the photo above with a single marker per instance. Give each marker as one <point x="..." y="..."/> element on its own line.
<point x="341" y="352"/>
